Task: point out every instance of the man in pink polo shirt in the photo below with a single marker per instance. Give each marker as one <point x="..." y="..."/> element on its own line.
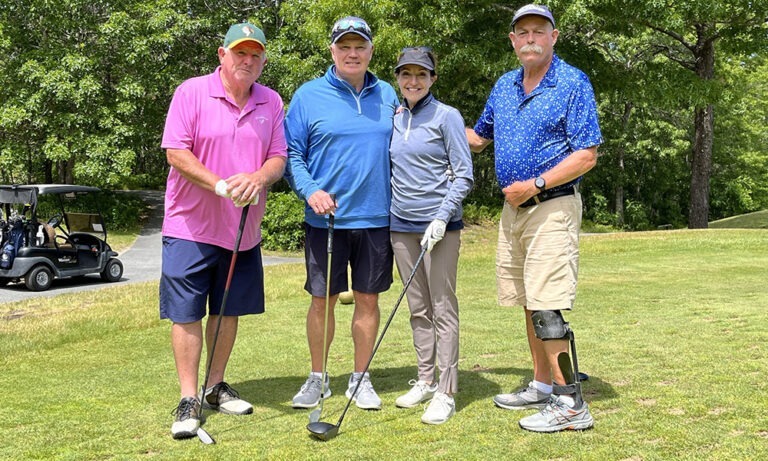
<point x="225" y="144"/>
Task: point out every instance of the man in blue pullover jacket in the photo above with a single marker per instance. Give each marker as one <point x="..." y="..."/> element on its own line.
<point x="338" y="129"/>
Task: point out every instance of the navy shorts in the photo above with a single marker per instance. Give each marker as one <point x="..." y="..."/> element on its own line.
<point x="194" y="276"/>
<point x="367" y="251"/>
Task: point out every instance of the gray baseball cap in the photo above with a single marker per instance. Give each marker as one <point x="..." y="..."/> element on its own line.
<point x="418" y="55"/>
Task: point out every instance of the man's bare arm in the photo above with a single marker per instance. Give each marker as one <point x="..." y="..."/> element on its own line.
<point x="476" y="142"/>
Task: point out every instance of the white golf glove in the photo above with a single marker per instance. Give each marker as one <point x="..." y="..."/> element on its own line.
<point x="221" y="188"/>
<point x="255" y="201"/>
<point x="434" y="233"/>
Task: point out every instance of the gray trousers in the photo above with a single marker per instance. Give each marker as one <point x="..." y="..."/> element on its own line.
<point x="433" y="304"/>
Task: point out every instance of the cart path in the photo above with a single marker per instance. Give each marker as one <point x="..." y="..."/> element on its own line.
<point x="141" y="262"/>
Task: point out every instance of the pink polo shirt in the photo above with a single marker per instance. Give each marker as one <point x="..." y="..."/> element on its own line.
<point x="227" y="141"/>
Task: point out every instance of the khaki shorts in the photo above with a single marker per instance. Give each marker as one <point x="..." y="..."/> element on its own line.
<point x="537" y="257"/>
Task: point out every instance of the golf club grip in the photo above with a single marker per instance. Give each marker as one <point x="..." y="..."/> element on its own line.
<point x="243" y="219"/>
<point x="330" y="226"/>
<point x="386" y="326"/>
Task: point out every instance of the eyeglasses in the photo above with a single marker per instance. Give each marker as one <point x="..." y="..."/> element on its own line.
<point x="354" y="24"/>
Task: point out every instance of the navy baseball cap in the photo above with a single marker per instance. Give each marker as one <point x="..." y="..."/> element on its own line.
<point x="351" y="25"/>
<point x="533" y="10"/>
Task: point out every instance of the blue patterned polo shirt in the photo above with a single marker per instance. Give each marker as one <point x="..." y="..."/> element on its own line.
<point x="533" y="133"/>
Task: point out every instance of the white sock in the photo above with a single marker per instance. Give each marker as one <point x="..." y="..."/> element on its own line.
<point x="545" y="388"/>
<point x="317" y="374"/>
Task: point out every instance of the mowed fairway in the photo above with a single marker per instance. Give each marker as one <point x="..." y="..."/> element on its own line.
<point x="671" y="326"/>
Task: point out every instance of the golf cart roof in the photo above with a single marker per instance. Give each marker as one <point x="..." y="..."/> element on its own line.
<point x="62" y="188"/>
<point x="26" y="193"/>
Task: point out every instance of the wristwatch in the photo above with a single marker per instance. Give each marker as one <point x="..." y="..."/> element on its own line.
<point x="540" y="183"/>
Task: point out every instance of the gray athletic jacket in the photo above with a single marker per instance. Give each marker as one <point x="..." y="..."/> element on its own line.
<point x="431" y="162"/>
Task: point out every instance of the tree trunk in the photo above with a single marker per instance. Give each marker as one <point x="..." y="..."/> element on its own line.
<point x="621" y="153"/>
<point x="704" y="122"/>
<point x="701" y="168"/>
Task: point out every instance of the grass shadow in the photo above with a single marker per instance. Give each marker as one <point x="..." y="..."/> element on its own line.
<point x="474" y="385"/>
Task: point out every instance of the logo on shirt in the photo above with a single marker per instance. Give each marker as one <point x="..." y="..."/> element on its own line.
<point x="261" y="119"/>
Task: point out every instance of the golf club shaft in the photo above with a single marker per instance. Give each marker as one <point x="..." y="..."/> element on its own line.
<point x="327" y="307"/>
<point x="243" y="219"/>
<point x="384" y="330"/>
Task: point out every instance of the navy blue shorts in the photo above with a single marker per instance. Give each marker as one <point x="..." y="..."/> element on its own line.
<point x="367" y="251"/>
<point x="195" y="274"/>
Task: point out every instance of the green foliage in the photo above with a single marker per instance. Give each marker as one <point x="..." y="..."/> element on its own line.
<point x="482" y="214"/>
<point x="283" y="224"/>
<point x="85" y="85"/>
<point x="121" y="212"/>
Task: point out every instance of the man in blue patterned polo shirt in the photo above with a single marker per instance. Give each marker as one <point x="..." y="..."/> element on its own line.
<point x="542" y="119"/>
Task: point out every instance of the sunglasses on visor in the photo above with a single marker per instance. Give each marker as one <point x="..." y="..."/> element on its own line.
<point x="354" y="24"/>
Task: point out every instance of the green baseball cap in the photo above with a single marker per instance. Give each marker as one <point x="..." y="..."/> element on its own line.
<point x="244" y="32"/>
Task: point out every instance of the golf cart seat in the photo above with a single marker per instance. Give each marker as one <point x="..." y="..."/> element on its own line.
<point x="49" y="234"/>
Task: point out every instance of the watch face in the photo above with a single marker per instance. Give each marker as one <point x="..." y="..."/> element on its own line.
<point x="539" y="183"/>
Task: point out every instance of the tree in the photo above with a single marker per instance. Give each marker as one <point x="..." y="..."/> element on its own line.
<point x="686" y="33"/>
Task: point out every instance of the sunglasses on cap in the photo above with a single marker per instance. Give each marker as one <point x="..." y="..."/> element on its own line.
<point x="354" y="24"/>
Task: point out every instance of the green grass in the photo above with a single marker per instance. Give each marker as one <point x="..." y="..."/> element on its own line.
<point x="756" y="220"/>
<point x="670" y="325"/>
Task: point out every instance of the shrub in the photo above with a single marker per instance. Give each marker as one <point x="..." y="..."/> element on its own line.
<point x="283" y="224"/>
<point x="121" y="212"/>
<point x="475" y="213"/>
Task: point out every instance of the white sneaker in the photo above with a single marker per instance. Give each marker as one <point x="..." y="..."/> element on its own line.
<point x="365" y="398"/>
<point x="440" y="409"/>
<point x="420" y="392"/>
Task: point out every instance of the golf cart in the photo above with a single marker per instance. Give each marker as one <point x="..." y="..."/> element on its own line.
<point x="70" y="243"/>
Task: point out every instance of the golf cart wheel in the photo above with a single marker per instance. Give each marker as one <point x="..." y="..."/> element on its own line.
<point x="39" y="278"/>
<point x="113" y="271"/>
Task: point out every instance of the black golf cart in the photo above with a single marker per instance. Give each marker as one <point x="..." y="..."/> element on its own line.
<point x="68" y="243"/>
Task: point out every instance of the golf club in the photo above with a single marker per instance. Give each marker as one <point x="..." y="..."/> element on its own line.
<point x="314" y="416"/>
<point x="326" y="431"/>
<point x="202" y="434"/>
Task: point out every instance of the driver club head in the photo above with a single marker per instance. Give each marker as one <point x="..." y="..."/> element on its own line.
<point x="322" y="430"/>
<point x="205" y="437"/>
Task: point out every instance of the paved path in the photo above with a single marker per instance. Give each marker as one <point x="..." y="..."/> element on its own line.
<point x="141" y="262"/>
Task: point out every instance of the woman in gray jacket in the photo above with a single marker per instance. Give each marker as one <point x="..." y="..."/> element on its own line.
<point x="431" y="175"/>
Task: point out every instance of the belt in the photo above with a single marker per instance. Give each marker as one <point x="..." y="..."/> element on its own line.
<point x="547" y="195"/>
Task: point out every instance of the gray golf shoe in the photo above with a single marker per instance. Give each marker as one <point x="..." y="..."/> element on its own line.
<point x="527" y="397"/>
<point x="311" y="392"/>
<point x="558" y="416"/>
<point x="365" y="397"/>
<point x="224" y="399"/>
<point x="187" y="420"/>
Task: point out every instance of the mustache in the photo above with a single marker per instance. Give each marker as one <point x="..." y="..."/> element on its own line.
<point x="532" y="48"/>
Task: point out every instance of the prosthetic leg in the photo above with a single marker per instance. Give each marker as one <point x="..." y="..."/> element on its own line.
<point x="550" y="325"/>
